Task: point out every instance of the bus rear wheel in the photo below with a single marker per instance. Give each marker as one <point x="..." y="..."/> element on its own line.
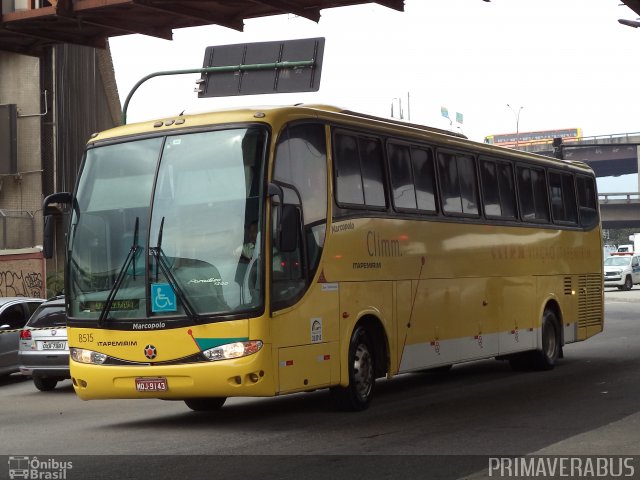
<point x="357" y="395"/>
<point x="205" y="404"/>
<point x="548" y="355"/>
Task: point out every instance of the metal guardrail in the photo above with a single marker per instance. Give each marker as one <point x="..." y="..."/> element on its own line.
<point x="546" y="144"/>
<point x="619" y="197"/>
<point x="613" y="138"/>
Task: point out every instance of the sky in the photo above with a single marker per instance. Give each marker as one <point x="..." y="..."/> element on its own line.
<point x="567" y="63"/>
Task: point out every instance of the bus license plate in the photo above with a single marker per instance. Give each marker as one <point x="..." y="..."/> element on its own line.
<point x="158" y="384"/>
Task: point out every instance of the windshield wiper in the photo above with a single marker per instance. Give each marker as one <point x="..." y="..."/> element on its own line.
<point x="123" y="270"/>
<point x="163" y="265"/>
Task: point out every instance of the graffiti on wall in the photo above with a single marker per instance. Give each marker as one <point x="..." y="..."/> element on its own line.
<point x="22" y="278"/>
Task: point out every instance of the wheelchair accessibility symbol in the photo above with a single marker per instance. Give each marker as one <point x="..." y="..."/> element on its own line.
<point x="163" y="298"/>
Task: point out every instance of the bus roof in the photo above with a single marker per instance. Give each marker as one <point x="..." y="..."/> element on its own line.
<point x="279" y="115"/>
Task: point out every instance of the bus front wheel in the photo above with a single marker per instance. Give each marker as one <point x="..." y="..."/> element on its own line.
<point x="357" y="395"/>
<point x="205" y="404"/>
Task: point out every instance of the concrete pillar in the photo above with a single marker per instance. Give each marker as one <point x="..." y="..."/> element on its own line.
<point x="638" y="160"/>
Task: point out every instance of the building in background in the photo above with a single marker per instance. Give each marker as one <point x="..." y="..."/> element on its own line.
<point x="49" y="106"/>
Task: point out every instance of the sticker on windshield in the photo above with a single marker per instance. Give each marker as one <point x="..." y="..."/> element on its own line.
<point x="163" y="298"/>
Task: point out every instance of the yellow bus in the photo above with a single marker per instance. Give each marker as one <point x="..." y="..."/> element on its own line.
<point x="261" y="252"/>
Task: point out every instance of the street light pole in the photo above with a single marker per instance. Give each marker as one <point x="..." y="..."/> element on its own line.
<point x="517" y="115"/>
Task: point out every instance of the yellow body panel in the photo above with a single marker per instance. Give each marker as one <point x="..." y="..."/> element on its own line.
<point x="228" y="378"/>
<point x="169" y="344"/>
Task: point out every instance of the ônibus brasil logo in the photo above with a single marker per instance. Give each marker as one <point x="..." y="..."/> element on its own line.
<point x="35" y="468"/>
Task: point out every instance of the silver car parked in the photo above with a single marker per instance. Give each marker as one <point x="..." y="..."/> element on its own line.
<point x="44" y="352"/>
<point x="14" y="313"/>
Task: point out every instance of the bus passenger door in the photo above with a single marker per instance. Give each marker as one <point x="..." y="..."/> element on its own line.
<point x="304" y="324"/>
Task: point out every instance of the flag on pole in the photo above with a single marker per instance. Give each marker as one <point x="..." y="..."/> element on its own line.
<point x="459" y="117"/>
<point x="444" y="112"/>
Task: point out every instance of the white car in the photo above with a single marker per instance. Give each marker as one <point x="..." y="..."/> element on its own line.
<point x="622" y="271"/>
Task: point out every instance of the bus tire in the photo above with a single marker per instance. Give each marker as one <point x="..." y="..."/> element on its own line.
<point x="551" y="349"/>
<point x="357" y="395"/>
<point x="547" y="356"/>
<point x="45" y="384"/>
<point x="205" y="404"/>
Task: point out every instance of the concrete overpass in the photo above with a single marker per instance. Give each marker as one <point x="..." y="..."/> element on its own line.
<point x="620" y="210"/>
<point x="609" y="156"/>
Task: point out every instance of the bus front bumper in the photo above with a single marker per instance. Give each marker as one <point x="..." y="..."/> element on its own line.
<point x="247" y="376"/>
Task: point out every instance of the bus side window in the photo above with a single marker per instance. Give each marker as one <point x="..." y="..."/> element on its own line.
<point x="563" y="198"/>
<point x="404" y="193"/>
<point x="534" y="204"/>
<point x="498" y="191"/>
<point x="424" y="178"/>
<point x="587" y="201"/>
<point x="457" y="175"/>
<point x="359" y="171"/>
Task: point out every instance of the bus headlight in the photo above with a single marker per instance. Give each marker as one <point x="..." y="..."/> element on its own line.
<point x="87" y="356"/>
<point x="233" y="350"/>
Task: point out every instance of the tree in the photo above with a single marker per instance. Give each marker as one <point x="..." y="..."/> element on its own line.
<point x="618" y="236"/>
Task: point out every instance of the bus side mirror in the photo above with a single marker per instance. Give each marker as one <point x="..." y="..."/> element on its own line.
<point x="289" y="228"/>
<point x="49" y="221"/>
<point x="285" y="221"/>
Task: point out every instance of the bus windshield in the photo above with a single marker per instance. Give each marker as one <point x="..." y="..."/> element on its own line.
<point x="169" y="226"/>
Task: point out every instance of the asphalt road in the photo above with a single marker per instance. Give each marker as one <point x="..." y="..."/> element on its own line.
<point x="587" y="405"/>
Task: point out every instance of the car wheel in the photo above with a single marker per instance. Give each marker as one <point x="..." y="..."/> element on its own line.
<point x="357" y="395"/>
<point x="45" y="384"/>
<point x="628" y="283"/>
<point x="205" y="404"/>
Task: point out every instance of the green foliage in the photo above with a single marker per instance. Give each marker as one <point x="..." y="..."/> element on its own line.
<point x="618" y="236"/>
<point x="55" y="284"/>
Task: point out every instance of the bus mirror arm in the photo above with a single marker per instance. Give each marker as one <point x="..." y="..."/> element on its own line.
<point x="60" y="197"/>
<point x="49" y="222"/>
<point x="48" y="235"/>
